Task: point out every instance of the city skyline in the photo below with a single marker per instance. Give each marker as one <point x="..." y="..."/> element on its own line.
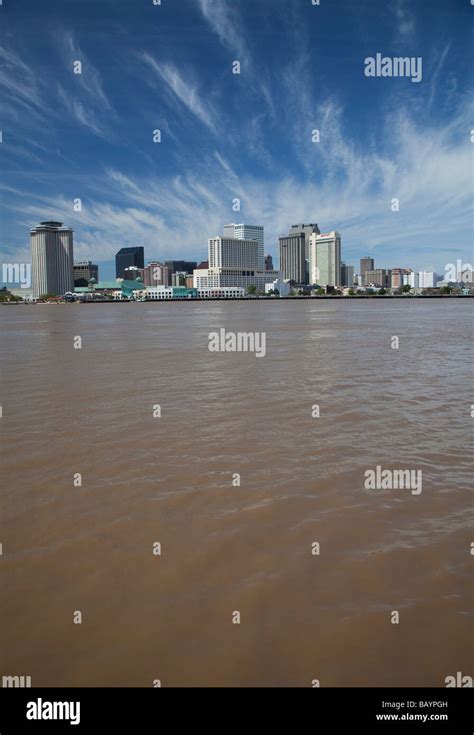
<point x="248" y="136"/>
<point x="236" y="260"/>
<point x="302" y="241"/>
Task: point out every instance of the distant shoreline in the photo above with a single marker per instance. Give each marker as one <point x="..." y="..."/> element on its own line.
<point x="263" y="299"/>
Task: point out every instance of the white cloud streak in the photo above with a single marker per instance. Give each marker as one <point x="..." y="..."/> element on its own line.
<point x="427" y="168"/>
<point x="184" y="91"/>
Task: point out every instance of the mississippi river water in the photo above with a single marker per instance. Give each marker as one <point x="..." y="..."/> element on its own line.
<point x="229" y="548"/>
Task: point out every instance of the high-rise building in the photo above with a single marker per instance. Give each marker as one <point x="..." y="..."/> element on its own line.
<point x="247" y="232"/>
<point x="226" y="252"/>
<point x="380" y="277"/>
<point x="396" y="278"/>
<point x="307" y="231"/>
<point x="127" y="257"/>
<point x="52" y="259"/>
<point x="233" y="263"/>
<point x="268" y="262"/>
<point x="244" y="232"/>
<point x="156" y="274"/>
<point x="83" y="272"/>
<point x="366" y="264"/>
<point x="178" y="279"/>
<point x="181" y="266"/>
<point x="292" y="257"/>
<point x="427" y="279"/>
<point x="325" y="259"/>
<point x="409" y="278"/>
<point x="347" y="274"/>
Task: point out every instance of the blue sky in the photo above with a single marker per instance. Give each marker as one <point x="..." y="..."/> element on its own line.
<point x="169" y="67"/>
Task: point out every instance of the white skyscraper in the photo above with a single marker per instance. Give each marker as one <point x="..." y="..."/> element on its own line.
<point x="52" y="259"/>
<point x="410" y="279"/>
<point x="234" y="263"/>
<point x="427" y="279"/>
<point x="247" y="232"/>
<point x="227" y="252"/>
<point x="325" y="259"/>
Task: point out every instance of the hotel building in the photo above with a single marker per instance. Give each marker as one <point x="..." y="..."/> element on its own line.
<point x="52" y="259"/>
<point x="233" y="263"/>
<point x="325" y="259"/>
<point x="156" y="274"/>
<point x="247" y="232"/>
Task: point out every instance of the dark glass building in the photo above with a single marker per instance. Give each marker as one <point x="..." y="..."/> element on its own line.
<point x="292" y="257"/>
<point x="128" y="257"/>
<point x="181" y="266"/>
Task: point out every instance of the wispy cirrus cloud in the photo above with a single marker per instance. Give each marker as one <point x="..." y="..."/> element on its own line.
<point x="19" y="83"/>
<point x="89" y="79"/>
<point x="83" y="93"/>
<point x="28" y="93"/>
<point x="78" y="110"/>
<point x="426" y="167"/>
<point x="224" y="21"/>
<point x="406" y="24"/>
<point x="183" y="90"/>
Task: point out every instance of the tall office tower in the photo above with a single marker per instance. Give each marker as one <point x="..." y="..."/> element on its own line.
<point x="347" y="274"/>
<point x="380" y="277"/>
<point x="307" y="230"/>
<point x="366" y="264"/>
<point x="268" y="262"/>
<point x="350" y="275"/>
<point x="292" y="257"/>
<point x="325" y="259"/>
<point x="52" y="259"/>
<point x="127" y="257"/>
<point x="247" y="232"/>
<point x="84" y="271"/>
<point x="156" y="274"/>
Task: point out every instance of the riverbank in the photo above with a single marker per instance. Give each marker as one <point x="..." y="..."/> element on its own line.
<point x="326" y="297"/>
